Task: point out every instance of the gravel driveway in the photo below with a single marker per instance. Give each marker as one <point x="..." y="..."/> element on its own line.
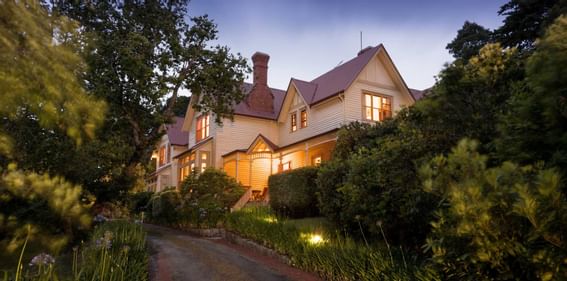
<point x="178" y="256"/>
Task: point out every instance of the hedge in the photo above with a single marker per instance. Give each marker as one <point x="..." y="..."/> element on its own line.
<point x="293" y="193"/>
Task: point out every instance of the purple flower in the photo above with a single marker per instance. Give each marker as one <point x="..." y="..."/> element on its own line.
<point x="42" y="259"/>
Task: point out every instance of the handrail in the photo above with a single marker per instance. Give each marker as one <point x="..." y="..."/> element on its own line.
<point x="242" y="201"/>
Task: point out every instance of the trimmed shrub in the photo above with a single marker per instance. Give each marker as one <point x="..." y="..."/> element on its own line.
<point x="293" y="193"/>
<point x="138" y="201"/>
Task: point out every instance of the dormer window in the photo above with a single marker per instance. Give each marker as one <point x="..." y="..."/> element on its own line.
<point x="294" y="121"/>
<point x="303" y="118"/>
<point x="377" y="108"/>
<point x="202" y="130"/>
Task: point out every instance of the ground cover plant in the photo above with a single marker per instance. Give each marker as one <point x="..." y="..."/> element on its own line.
<point x="116" y="251"/>
<point x="330" y="255"/>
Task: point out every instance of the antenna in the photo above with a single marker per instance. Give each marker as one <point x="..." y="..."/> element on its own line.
<point x="361" y="40"/>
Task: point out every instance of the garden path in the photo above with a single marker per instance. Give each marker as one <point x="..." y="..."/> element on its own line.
<point x="178" y="256"/>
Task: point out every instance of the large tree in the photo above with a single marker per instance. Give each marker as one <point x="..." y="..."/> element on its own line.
<point x="470" y="39"/>
<point x="526" y="20"/>
<point x="139" y="53"/>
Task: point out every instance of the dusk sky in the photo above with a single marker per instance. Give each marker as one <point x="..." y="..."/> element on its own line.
<point x="307" y="38"/>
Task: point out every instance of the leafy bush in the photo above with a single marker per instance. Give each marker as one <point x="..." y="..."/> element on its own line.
<point x="203" y="200"/>
<point x="139" y="201"/>
<point x="293" y="193"/>
<point x="331" y="258"/>
<point x="501" y="223"/>
<point x="48" y="207"/>
<point x="165" y="207"/>
<point x="374" y="187"/>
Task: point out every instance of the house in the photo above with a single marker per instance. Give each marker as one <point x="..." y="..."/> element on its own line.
<point x="278" y="130"/>
<point x="172" y="143"/>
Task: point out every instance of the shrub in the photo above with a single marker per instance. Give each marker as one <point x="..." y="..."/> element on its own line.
<point x="203" y="200"/>
<point x="372" y="180"/>
<point x="293" y="193"/>
<point x="501" y="223"/>
<point x="165" y="207"/>
<point x="139" y="201"/>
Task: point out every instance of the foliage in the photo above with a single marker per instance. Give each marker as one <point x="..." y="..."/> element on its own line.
<point x="203" y="200"/>
<point x="138" y="53"/>
<point x="526" y="20"/>
<point x="501" y="223"/>
<point x="371" y="182"/>
<point x="535" y="128"/>
<point x="139" y="201"/>
<point x="292" y="193"/>
<point x="37" y="78"/>
<point x="116" y="252"/>
<point x="331" y="258"/>
<point x="470" y="39"/>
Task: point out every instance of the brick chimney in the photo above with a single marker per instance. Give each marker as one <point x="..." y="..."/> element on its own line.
<point x="260" y="97"/>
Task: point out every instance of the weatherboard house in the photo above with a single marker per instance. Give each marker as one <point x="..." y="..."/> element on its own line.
<point x="278" y="130"/>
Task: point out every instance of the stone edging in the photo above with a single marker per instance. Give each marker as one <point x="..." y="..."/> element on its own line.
<point x="238" y="240"/>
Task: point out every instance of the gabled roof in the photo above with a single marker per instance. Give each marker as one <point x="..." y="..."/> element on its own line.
<point x="339" y="78"/>
<point x="419" y="94"/>
<point x="260" y="138"/>
<point x="243" y="109"/>
<point x="174" y="133"/>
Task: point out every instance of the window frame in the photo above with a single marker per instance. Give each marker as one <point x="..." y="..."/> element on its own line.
<point x="293" y="122"/>
<point x="302" y="121"/>
<point x="202" y="128"/>
<point x="162" y="154"/>
<point x="288" y="163"/>
<point x="383" y="114"/>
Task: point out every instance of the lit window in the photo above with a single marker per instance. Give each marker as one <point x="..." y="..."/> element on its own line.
<point x="317" y="160"/>
<point x="377" y="108"/>
<point x="162" y="156"/>
<point x="304" y="118"/>
<point x="293" y="122"/>
<point x="203" y="161"/>
<point x="202" y="131"/>
<point x="286" y="166"/>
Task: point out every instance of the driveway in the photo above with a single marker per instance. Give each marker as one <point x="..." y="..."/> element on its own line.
<point x="177" y="256"/>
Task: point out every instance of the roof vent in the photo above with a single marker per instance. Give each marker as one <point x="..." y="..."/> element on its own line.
<point x="364" y="50"/>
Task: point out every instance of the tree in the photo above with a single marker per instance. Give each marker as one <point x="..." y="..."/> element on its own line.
<point x="526" y="20"/>
<point x="470" y="39"/>
<point x="181" y="105"/>
<point x="500" y="223"/>
<point x="38" y="82"/>
<point x="138" y="53"/>
<point x="535" y="128"/>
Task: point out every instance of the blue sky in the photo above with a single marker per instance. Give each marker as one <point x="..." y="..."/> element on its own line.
<point x="307" y="38"/>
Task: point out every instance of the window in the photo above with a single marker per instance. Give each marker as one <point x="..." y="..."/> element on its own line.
<point x="162" y="156"/>
<point x="303" y="118"/>
<point x="204" y="157"/>
<point x="186" y="166"/>
<point x="377" y="108"/>
<point x="294" y="122"/>
<point x="202" y="127"/>
<point x="317" y="160"/>
<point x="286" y="166"/>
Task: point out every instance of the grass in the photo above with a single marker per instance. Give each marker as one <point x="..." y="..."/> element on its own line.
<point x="311" y="245"/>
<point x="116" y="252"/>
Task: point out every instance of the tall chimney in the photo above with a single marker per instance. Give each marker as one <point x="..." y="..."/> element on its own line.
<point x="260" y="61"/>
<point x="261" y="97"/>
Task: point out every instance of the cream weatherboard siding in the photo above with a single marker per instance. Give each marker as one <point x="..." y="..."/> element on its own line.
<point x="375" y="78"/>
<point x="240" y="133"/>
<point x="321" y="118"/>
